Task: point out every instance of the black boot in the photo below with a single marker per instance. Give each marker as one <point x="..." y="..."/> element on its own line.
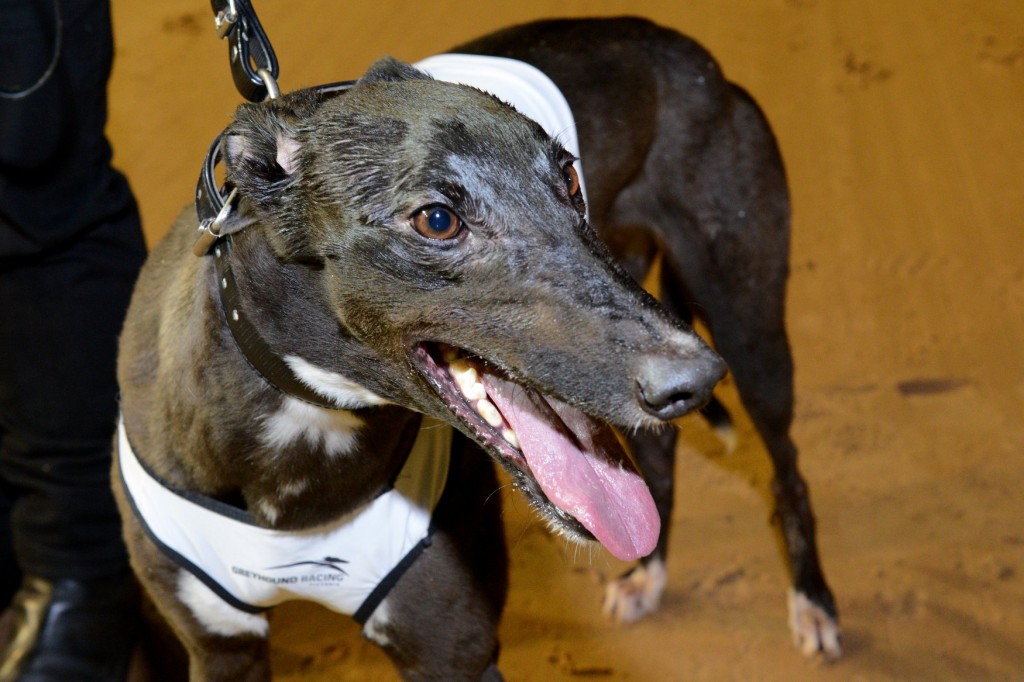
<point x="67" y="629"/>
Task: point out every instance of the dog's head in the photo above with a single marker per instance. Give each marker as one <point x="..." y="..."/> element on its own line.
<point x="451" y="248"/>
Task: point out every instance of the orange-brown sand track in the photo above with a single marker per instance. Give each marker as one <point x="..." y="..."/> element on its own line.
<point x="902" y="125"/>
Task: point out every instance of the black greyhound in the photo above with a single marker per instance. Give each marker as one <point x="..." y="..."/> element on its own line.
<point x="416" y="247"/>
<point x="682" y="162"/>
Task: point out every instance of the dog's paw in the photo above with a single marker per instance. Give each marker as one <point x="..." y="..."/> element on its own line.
<point x="815" y="631"/>
<point x="635" y="594"/>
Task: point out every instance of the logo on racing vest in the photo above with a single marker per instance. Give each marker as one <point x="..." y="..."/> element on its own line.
<point x="334" y="573"/>
<point x="327" y="562"/>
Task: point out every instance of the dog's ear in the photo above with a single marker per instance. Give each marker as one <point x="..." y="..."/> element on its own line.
<point x="261" y="147"/>
<point x="389" y="69"/>
<point x="262" y="154"/>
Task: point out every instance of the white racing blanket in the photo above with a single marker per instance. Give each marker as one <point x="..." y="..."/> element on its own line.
<point x="340" y="566"/>
<point x="523" y="86"/>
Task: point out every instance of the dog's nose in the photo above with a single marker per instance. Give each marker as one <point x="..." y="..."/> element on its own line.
<point x="668" y="387"/>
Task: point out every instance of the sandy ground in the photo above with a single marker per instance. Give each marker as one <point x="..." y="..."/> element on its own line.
<point x="902" y="124"/>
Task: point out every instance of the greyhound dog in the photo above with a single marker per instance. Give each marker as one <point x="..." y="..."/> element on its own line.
<point x="406" y="276"/>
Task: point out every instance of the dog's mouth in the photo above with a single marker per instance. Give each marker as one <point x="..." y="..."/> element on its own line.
<point x="570" y="463"/>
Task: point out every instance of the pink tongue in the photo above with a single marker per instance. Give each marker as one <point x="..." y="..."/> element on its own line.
<point x="582" y="469"/>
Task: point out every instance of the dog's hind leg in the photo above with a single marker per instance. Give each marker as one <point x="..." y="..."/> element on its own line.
<point x="638" y="592"/>
<point x="750" y="336"/>
<point x="738" y="285"/>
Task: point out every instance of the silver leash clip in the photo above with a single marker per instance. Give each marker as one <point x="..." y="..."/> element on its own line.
<point x="226" y="20"/>
<point x="210" y="229"/>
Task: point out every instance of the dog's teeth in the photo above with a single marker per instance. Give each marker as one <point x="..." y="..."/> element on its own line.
<point x="510" y="437"/>
<point x="458" y="367"/>
<point x="468" y="380"/>
<point x="450" y="355"/>
<point x="490" y="413"/>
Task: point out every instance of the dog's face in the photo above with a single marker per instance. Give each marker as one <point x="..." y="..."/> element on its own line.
<point x="452" y="248"/>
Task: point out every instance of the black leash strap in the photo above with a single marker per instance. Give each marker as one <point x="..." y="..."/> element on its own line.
<point x="252" y="57"/>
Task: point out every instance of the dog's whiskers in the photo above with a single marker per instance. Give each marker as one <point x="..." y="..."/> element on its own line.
<point x="496" y="491"/>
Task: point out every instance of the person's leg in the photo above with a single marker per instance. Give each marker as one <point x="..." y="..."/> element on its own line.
<point x="70" y="249"/>
<point x="58" y="399"/>
<point x="10" y="573"/>
<point x="62" y="314"/>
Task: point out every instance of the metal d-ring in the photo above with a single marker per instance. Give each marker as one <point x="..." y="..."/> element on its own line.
<point x="273" y="92"/>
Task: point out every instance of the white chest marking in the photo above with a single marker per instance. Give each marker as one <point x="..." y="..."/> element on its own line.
<point x="269" y="511"/>
<point x="293" y="488"/>
<point x="344" y="392"/>
<point x="336" y="431"/>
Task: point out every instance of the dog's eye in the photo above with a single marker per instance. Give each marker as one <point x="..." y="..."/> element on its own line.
<point x="572" y="179"/>
<point x="437" y="222"/>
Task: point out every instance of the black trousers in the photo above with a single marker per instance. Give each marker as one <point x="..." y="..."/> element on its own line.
<point x="70" y="249"/>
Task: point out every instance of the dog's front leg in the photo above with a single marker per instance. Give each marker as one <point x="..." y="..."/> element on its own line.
<point x="440" y="621"/>
<point x="222" y="642"/>
<point x="638" y="592"/>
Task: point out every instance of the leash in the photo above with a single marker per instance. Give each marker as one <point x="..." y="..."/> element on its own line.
<point x="254" y="66"/>
<point x="254" y="69"/>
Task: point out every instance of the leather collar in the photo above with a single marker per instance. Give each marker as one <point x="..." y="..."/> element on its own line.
<point x="213" y="206"/>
